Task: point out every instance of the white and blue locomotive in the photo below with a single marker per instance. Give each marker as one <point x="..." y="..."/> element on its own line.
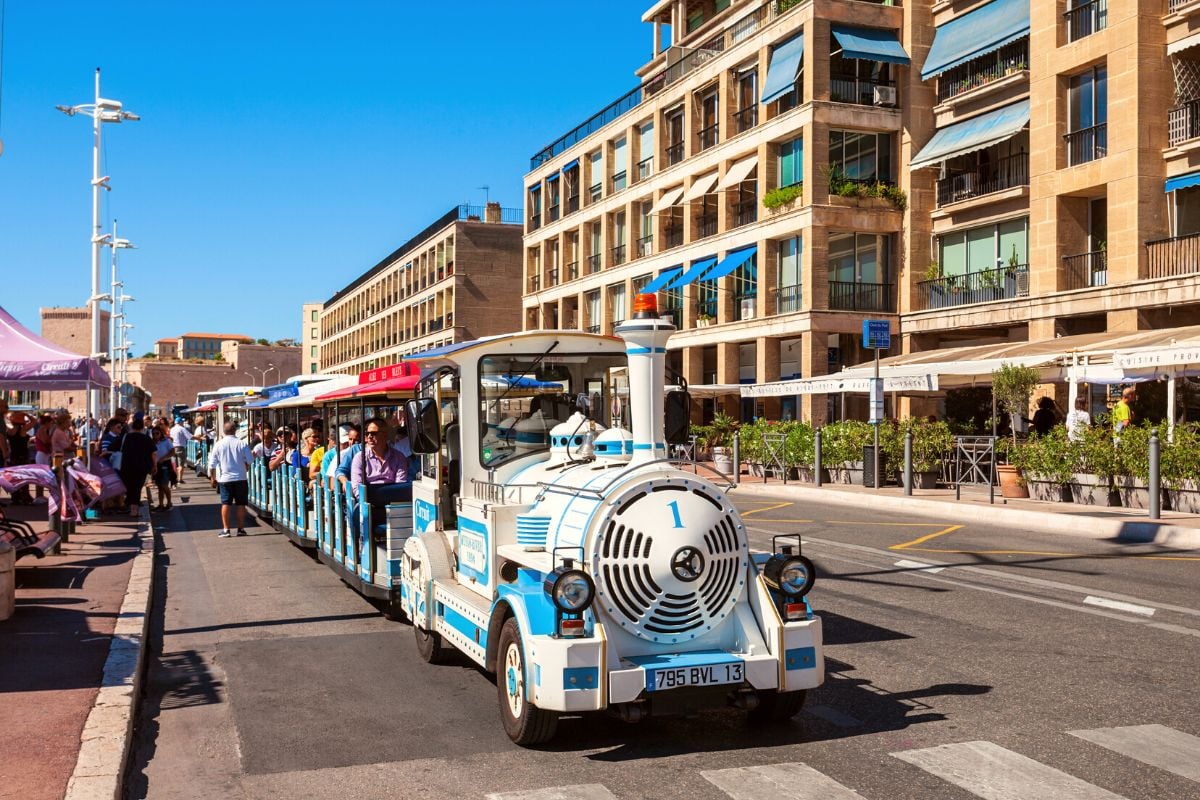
<point x="572" y="558"/>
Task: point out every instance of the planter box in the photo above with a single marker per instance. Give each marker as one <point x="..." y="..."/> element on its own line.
<point x="1049" y="491"/>
<point x="1134" y="492"/>
<point x="854" y="472"/>
<point x="808" y="475"/>
<point x="841" y="475"/>
<point x="922" y="480"/>
<point x="1091" y="490"/>
<point x="860" y="202"/>
<point x="1186" y="498"/>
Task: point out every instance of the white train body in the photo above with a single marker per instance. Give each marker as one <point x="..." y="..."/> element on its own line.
<point x="680" y="615"/>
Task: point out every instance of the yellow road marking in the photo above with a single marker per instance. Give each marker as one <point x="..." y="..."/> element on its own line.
<point x="926" y="538"/>
<point x="1056" y="554"/>
<point x="765" y="508"/>
<point x="896" y="524"/>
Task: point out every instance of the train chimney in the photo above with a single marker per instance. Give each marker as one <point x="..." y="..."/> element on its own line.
<point x="646" y="336"/>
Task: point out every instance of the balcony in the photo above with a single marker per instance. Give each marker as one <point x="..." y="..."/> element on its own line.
<point x="1086" y="19"/>
<point x="645" y="246"/>
<point x="708" y="137"/>
<point x="552" y="213"/>
<point x="535" y="283"/>
<point x="1175" y="5"/>
<point x="694" y="58"/>
<point x="862" y="91"/>
<point x="535" y="222"/>
<point x="572" y="270"/>
<point x="790" y="299"/>
<point x="593" y="262"/>
<point x="854" y="296"/>
<point x="705" y="227"/>
<point x="435" y="324"/>
<point x="592" y="329"/>
<point x="672" y="237"/>
<point x="618" y="255"/>
<point x="745" y="213"/>
<point x="572" y="204"/>
<point x="1179" y="255"/>
<point x="985" y="286"/>
<point x="1086" y="144"/>
<point x="1008" y="60"/>
<point x="645" y="168"/>
<point x="746" y="119"/>
<point x="674" y="153"/>
<point x="552" y="277"/>
<point x="1007" y="173"/>
<point x="1085" y="270"/>
<point x="1183" y="122"/>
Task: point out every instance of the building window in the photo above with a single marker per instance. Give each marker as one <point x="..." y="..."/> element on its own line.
<point x="571" y="189"/>
<point x="985" y="248"/>
<point x="616" y="302"/>
<point x="645" y="151"/>
<point x="597" y="169"/>
<point x="552" y="201"/>
<point x="1085" y="17"/>
<point x="747" y="99"/>
<point x="859" y="276"/>
<point x="535" y="209"/>
<point x="646" y="235"/>
<point x="639" y="283"/>
<point x="674" y="126"/>
<point x="791" y="162"/>
<point x="620" y="165"/>
<point x="863" y="157"/>
<point x="706" y="300"/>
<point x="312" y="334"/>
<point x="312" y="367"/>
<point x="673" y="305"/>
<point x="745" y="289"/>
<point x="709" y="114"/>
<point x="790" y="290"/>
<point x="314" y="316"/>
<point x="859" y="81"/>
<point x="1087" y="137"/>
<point x="592" y="303"/>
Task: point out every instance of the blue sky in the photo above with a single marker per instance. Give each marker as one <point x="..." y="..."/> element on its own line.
<point x="284" y="147"/>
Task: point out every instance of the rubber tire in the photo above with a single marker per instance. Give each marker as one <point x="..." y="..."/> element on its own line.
<point x="392" y="610"/>
<point x="774" y="706"/>
<point x="534" y="725"/>
<point x="430" y="646"/>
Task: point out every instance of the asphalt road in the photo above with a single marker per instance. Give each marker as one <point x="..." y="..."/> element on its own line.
<point x="962" y="662"/>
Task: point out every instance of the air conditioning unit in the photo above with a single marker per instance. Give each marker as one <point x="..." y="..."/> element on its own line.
<point x="748" y="308"/>
<point x="885" y="96"/>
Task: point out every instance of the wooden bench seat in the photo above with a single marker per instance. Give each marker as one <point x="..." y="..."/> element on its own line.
<point x="25" y="541"/>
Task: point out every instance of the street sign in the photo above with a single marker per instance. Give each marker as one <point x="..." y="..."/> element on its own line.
<point x="876" y="334"/>
<point x="876" y="401"/>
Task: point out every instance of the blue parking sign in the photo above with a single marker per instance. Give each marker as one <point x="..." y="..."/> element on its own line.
<point x="877" y="334"/>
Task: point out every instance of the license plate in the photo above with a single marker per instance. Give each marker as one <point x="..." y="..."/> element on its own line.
<point x="703" y="675"/>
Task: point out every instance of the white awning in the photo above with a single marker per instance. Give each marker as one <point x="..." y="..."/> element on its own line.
<point x="738" y="172"/>
<point x="1183" y="44"/>
<point x="669" y="198"/>
<point x="834" y="384"/>
<point x="701" y="187"/>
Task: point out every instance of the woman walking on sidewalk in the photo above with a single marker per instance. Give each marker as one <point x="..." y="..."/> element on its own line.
<point x="164" y="468"/>
<point x="138" y="457"/>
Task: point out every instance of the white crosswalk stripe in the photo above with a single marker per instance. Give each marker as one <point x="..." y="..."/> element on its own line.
<point x="1156" y="745"/>
<point x="794" y="781"/>
<point x="584" y="791"/>
<point x="990" y="771"/>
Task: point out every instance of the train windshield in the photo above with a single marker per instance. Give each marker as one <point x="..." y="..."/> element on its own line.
<point x="522" y="397"/>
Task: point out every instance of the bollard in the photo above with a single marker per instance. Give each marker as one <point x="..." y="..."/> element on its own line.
<point x="737" y="456"/>
<point x="1155" y="494"/>
<point x="817" y="458"/>
<point x="908" y="464"/>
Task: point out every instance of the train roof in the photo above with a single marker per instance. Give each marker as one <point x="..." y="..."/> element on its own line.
<point x="523" y="342"/>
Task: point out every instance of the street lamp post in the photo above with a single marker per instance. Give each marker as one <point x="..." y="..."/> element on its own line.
<point x="101" y="111"/>
<point x="263" y="376"/>
<point x="118" y="313"/>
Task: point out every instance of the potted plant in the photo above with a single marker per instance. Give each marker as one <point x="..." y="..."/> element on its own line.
<point x="720" y="440"/>
<point x="703" y="320"/>
<point x="1180" y="469"/>
<point x="933" y="442"/>
<point x="1091" y="482"/>
<point x="1012" y="386"/>
<point x="1048" y="464"/>
<point x="783" y="196"/>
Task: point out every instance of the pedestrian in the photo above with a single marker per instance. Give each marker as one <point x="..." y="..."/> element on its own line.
<point x="17" y="425"/>
<point x="164" y="468"/>
<point x="1045" y="418"/>
<point x="62" y="438"/>
<point x="1079" y="420"/>
<point x="5" y="447"/>
<point x="138" y="458"/>
<point x="227" y="470"/>
<point x="180" y="436"/>
<point x="1122" y="415"/>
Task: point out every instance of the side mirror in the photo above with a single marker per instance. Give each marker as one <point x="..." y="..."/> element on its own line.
<point x="424" y="425"/>
<point x="679" y="416"/>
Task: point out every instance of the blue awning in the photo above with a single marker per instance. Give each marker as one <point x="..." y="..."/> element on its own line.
<point x="870" y="44"/>
<point x="571" y="165"/>
<point x="666" y="275"/>
<point x="553" y="176"/>
<point x="693" y="272"/>
<point x="973" y="134"/>
<point x="731" y="262"/>
<point x="260" y="403"/>
<point x="1183" y="181"/>
<point x="785" y="66"/>
<point x="975" y="34"/>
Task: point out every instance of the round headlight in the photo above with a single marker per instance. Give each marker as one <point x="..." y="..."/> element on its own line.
<point x="573" y="591"/>
<point x="792" y="575"/>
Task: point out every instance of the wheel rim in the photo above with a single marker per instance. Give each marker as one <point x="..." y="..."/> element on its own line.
<point x="514" y="681"/>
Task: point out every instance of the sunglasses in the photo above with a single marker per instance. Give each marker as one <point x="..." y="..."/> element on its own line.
<point x="374" y="433"/>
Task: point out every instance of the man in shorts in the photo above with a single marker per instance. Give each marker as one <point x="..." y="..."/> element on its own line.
<point x="180" y="436"/>
<point x="227" y="469"/>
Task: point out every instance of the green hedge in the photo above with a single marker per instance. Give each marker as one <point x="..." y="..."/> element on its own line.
<point x="843" y="442"/>
<point x="1056" y="458"/>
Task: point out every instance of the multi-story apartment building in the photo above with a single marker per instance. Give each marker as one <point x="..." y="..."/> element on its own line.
<point x="207" y="345"/>
<point x="788" y="168"/>
<point x="457" y="280"/>
<point x="310" y="336"/>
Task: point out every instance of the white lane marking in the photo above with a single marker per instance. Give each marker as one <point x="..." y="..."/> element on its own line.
<point x="918" y="565"/>
<point x="1156" y="745"/>
<point x="583" y="791"/>
<point x="1117" y="605"/>
<point x="989" y="771"/>
<point x="794" y="781"/>
<point x="833" y="716"/>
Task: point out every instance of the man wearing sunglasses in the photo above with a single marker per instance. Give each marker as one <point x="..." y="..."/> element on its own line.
<point x="378" y="463"/>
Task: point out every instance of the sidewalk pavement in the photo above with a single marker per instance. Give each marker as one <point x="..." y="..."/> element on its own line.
<point x="1174" y="529"/>
<point x="71" y="660"/>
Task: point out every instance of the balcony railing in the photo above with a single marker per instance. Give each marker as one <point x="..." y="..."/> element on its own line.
<point x="708" y="136"/>
<point x="672" y="237"/>
<point x="1010" y="59"/>
<point x="535" y="221"/>
<point x="705" y="227"/>
<point x="1174" y="5"/>
<point x="572" y="270"/>
<point x="790" y="299"/>
<point x="435" y="324"/>
<point x="535" y="283"/>
<point x="552" y="277"/>
<point x="645" y="168"/>
<point x="618" y="255"/>
<point x="552" y="213"/>
<point x="861" y="91"/>
<point x="1179" y="255"/>
<point x="985" y="286"/>
<point x="592" y="329"/>
<point x="1087" y="144"/>
<point x="854" y="296"/>
<point x="645" y="246"/>
<point x="675" y="153"/>
<point x="694" y="59"/>
<point x="1086" y="19"/>
<point x="745" y="213"/>
<point x="596" y="192"/>
<point x="572" y="204"/>
<point x="619" y="181"/>
<point x="1085" y="269"/>
<point x="593" y="262"/>
<point x="1183" y="122"/>
<point x="1006" y="173"/>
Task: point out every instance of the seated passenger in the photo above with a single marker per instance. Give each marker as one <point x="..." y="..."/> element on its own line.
<point x="377" y="462"/>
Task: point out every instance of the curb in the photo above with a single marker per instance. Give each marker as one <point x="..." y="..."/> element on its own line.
<point x="1133" y="531"/>
<point x="108" y="732"/>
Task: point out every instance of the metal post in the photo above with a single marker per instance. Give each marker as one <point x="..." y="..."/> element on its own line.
<point x="1171" y="408"/>
<point x="877" y="421"/>
<point x="817" y="458"/>
<point x="992" y="471"/>
<point x="114" y="392"/>
<point x="93" y="398"/>
<point x="737" y="456"/>
<point x="1155" y="494"/>
<point x="957" y="470"/>
<point x="908" y="463"/>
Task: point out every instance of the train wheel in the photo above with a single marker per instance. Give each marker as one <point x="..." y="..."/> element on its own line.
<point x="430" y="646"/>
<point x="525" y="723"/>
<point x="774" y="706"/>
<point x="393" y="611"/>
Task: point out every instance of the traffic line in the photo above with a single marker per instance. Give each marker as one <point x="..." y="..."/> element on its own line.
<point x="926" y="538"/>
<point x="1117" y="605"/>
<point x="1156" y="745"/>
<point x="990" y="771"/>
<point x="918" y="565"/>
<point x="794" y="781"/>
<point x="583" y="791"/>
<point x="772" y="507"/>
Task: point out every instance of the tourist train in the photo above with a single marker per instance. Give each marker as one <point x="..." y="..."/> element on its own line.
<point x="548" y="535"/>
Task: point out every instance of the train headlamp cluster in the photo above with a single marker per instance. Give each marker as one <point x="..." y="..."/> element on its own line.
<point x="791" y="574"/>
<point x="571" y="590"/>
